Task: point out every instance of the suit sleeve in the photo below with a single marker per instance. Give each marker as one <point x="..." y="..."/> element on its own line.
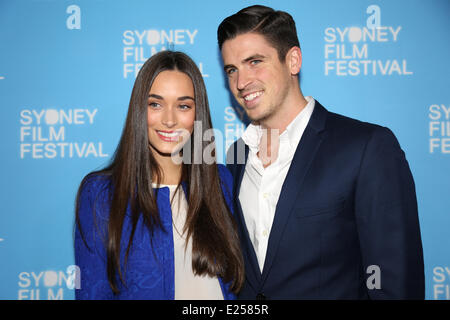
<point x="90" y="255"/>
<point x="387" y="221"/>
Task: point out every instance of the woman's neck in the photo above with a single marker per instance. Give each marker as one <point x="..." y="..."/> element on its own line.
<point x="171" y="171"/>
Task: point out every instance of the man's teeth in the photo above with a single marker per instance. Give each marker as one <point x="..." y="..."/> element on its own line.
<point x="169" y="135"/>
<point x="252" y="96"/>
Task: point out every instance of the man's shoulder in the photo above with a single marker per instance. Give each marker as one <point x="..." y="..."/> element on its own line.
<point x="341" y="124"/>
<point x="351" y="129"/>
<point x="338" y="121"/>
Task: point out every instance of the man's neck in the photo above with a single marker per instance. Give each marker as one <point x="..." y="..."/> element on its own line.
<point x="274" y="126"/>
<point x="286" y="114"/>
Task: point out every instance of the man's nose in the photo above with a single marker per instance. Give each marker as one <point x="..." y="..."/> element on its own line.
<point x="243" y="79"/>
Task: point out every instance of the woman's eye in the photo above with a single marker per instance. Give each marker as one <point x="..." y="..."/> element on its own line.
<point x="154" y="105"/>
<point x="184" y="107"/>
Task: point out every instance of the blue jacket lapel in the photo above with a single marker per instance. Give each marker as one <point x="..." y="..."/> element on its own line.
<point x="304" y="155"/>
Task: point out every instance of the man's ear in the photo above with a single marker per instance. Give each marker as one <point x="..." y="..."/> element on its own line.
<point x="294" y="60"/>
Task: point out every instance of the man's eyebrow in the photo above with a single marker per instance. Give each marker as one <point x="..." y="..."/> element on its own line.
<point x="228" y="66"/>
<point x="252" y="57"/>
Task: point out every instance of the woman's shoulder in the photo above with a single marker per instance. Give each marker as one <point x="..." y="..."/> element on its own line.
<point x="95" y="182"/>
<point x="95" y="186"/>
<point x="94" y="195"/>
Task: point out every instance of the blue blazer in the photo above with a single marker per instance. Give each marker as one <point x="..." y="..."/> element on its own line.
<point x="348" y="202"/>
<point x="150" y="270"/>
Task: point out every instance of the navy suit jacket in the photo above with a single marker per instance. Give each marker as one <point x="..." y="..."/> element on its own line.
<point x="346" y="217"/>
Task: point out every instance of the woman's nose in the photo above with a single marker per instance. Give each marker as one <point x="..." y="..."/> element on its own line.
<point x="169" y="118"/>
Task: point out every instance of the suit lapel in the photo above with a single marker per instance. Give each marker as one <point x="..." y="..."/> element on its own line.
<point x="304" y="155"/>
<point x="253" y="273"/>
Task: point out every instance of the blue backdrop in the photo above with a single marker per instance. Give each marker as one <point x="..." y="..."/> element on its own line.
<point x="66" y="74"/>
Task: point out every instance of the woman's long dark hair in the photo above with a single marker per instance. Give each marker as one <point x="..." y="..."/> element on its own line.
<point x="209" y="224"/>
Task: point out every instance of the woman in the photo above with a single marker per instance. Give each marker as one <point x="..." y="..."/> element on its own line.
<point x="151" y="227"/>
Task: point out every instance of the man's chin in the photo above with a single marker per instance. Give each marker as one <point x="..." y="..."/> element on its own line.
<point x="256" y="117"/>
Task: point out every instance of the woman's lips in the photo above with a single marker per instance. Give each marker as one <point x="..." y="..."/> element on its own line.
<point x="168" y="136"/>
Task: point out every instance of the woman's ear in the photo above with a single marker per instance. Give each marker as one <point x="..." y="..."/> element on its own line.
<point x="294" y="60"/>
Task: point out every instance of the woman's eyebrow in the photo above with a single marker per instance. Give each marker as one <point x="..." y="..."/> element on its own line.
<point x="155" y="96"/>
<point x="186" y="98"/>
<point x="182" y="98"/>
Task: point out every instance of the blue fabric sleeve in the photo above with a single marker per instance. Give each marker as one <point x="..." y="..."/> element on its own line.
<point x="90" y="257"/>
<point x="387" y="219"/>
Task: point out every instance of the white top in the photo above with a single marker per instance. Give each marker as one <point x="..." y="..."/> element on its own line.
<point x="187" y="285"/>
<point x="261" y="187"/>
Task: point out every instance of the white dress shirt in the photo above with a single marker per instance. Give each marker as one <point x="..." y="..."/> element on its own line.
<point x="261" y="187"/>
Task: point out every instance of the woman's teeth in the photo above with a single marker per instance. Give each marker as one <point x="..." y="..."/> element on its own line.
<point x="169" y="134"/>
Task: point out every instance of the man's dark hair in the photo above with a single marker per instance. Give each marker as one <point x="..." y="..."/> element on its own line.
<point x="278" y="27"/>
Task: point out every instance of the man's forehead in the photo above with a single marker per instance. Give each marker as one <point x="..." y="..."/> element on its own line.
<point x="246" y="45"/>
<point x="248" y="38"/>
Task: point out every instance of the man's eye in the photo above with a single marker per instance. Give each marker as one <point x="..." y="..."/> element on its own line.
<point x="253" y="62"/>
<point x="230" y="71"/>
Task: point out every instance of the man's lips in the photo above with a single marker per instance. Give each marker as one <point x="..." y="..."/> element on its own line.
<point x="251" y="98"/>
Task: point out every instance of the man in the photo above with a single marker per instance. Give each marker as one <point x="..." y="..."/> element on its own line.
<point x="325" y="204"/>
